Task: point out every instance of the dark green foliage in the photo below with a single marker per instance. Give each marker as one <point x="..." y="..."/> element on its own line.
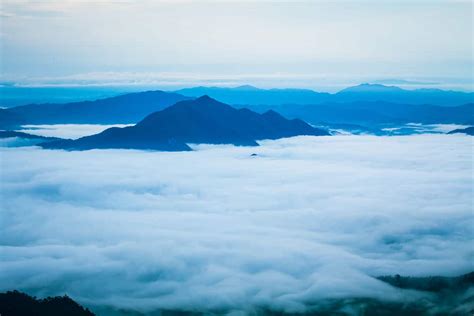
<point x="432" y="283"/>
<point x="14" y="303"/>
<point x="443" y="296"/>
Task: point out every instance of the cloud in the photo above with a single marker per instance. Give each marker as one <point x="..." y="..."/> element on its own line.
<point x="308" y="219"/>
<point x="57" y="6"/>
<point x="49" y="38"/>
<point x="70" y="131"/>
<point x="321" y="81"/>
<point x="171" y="80"/>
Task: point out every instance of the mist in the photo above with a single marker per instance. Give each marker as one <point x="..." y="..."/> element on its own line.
<point x="307" y="219"/>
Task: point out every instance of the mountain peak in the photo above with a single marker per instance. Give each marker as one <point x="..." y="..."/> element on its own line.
<point x="204" y="101"/>
<point x="199" y="121"/>
<point x="271" y="113"/>
<point x="205" y="98"/>
<point x="246" y="87"/>
<point x="371" y="87"/>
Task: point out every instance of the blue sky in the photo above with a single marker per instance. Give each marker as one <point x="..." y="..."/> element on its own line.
<point x="267" y="42"/>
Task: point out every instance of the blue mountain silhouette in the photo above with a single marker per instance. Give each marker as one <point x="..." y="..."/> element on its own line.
<point x="203" y="120"/>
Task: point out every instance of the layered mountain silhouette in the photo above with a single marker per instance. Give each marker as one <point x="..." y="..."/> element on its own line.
<point x="203" y="120"/>
<point x="127" y="108"/>
<point x="10" y="134"/>
<point x="14" y="94"/>
<point x="245" y="95"/>
<point x="374" y="113"/>
<point x="20" y="139"/>
<point x="248" y="95"/>
<point x="366" y="105"/>
<point x="393" y="94"/>
<point x="10" y="120"/>
<point x="468" y="130"/>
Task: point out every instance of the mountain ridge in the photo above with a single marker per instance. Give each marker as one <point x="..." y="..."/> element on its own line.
<point x="292" y="103"/>
<point x="125" y="108"/>
<point x="468" y="131"/>
<point x="361" y="92"/>
<point x="203" y="120"/>
<point x="374" y="113"/>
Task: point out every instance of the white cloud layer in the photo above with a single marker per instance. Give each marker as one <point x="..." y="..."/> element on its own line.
<point x="319" y="81"/>
<point x="309" y="218"/>
<point x="70" y="131"/>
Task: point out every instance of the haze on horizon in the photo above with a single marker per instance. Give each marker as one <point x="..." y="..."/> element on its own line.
<point x="265" y="43"/>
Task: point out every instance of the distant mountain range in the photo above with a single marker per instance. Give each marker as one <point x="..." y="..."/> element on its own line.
<point x="11" y="120"/>
<point x="203" y="120"/>
<point x="248" y="95"/>
<point x="10" y="134"/>
<point x="366" y="105"/>
<point x="373" y="113"/>
<point x="20" y="139"/>
<point x="12" y="94"/>
<point x="468" y="130"/>
<point x="127" y="108"/>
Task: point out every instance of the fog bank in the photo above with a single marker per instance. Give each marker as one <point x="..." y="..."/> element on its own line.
<point x="307" y="219"/>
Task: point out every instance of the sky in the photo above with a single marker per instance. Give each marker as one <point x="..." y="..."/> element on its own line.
<point x="266" y="43"/>
<point x="308" y="219"/>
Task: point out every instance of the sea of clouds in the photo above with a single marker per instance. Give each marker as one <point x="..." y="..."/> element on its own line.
<point x="69" y="131"/>
<point x="307" y="219"/>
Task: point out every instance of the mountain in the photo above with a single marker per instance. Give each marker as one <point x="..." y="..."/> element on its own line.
<point x="203" y="120"/>
<point x="127" y="108"/>
<point x="392" y="94"/>
<point x="248" y="95"/>
<point x="434" y="284"/>
<point x="10" y="120"/>
<point x="371" y="88"/>
<point x="353" y="105"/>
<point x="252" y="95"/>
<point x="403" y="82"/>
<point x="362" y="104"/>
<point x="468" y="130"/>
<point x="10" y="134"/>
<point x="371" y="113"/>
<point x="14" y="303"/>
<point x="14" y="94"/>
<point x="20" y="139"/>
